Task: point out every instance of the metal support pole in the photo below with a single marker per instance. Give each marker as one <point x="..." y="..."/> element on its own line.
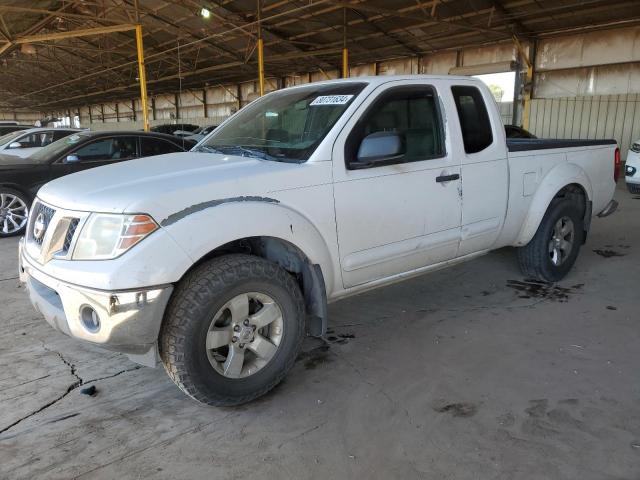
<point x="345" y="51"/>
<point x="260" y="52"/>
<point x="528" y="83"/>
<point x="345" y="63"/>
<point x="142" y="76"/>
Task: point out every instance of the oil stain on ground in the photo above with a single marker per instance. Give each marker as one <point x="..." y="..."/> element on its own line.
<point x="339" y="338"/>
<point x="607" y="253"/>
<point x="314" y="357"/>
<point x="462" y="409"/>
<point x="531" y="288"/>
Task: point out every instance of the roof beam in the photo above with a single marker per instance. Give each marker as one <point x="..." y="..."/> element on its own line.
<point x="86" y="32"/>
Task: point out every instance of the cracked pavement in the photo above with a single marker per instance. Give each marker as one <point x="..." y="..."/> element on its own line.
<point x="471" y="372"/>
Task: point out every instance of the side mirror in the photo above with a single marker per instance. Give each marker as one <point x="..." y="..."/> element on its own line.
<point x="15" y="145"/>
<point x="71" y="159"/>
<point x="379" y="148"/>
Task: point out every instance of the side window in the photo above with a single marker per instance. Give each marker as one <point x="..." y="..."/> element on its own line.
<point x="118" y="148"/>
<point x="58" y="134"/>
<point x="474" y="119"/>
<point x="34" y="140"/>
<point x="156" y="146"/>
<point x="412" y="113"/>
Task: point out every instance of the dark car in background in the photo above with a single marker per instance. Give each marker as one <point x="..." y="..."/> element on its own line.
<point x="20" y="178"/>
<point x="513" y="131"/>
<point x="169" y="128"/>
<point x="4" y="129"/>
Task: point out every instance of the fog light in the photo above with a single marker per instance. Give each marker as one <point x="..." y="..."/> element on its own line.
<point x="89" y="318"/>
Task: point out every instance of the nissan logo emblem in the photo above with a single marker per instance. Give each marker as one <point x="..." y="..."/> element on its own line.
<point x="39" y="227"/>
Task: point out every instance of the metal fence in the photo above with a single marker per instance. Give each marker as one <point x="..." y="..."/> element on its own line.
<point x="588" y="117"/>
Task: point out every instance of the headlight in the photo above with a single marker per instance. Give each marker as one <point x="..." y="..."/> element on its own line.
<point x="105" y="236"/>
<point x="635" y="147"/>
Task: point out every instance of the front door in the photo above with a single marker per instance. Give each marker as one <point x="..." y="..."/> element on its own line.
<point x="99" y="151"/>
<point x="403" y="214"/>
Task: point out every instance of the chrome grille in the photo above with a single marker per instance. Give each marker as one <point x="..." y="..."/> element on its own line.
<point x="73" y="225"/>
<point x="47" y="215"/>
<point x="51" y="232"/>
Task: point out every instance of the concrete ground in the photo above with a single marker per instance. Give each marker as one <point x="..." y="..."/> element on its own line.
<point x="467" y="373"/>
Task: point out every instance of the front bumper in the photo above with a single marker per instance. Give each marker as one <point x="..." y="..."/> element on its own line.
<point x="632" y="168"/>
<point x="128" y="320"/>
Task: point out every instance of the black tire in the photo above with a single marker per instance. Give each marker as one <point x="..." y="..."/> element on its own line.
<point x="195" y="301"/>
<point x="634" y="188"/>
<point x="534" y="258"/>
<point x="25" y="199"/>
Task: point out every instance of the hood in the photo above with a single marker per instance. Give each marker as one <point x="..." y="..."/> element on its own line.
<point x="164" y="184"/>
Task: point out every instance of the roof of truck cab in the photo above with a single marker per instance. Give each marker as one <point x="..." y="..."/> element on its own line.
<point x="380" y="79"/>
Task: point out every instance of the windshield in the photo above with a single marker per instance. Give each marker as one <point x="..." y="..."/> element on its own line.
<point x="286" y="126"/>
<point x="9" y="137"/>
<point x="51" y="151"/>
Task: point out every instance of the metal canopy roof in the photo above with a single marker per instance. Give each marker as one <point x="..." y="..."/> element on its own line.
<point x="305" y="35"/>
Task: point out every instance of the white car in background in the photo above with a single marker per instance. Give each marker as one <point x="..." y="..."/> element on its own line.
<point x="23" y="143"/>
<point x="632" y="169"/>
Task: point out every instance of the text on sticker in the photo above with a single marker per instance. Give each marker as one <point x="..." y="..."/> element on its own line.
<point x="332" y="100"/>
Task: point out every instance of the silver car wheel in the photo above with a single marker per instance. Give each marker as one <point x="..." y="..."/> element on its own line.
<point x="13" y="213"/>
<point x="561" y="243"/>
<point x="244" y="335"/>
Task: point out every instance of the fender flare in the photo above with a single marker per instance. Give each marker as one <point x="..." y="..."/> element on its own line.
<point x="555" y="180"/>
<point x="254" y="217"/>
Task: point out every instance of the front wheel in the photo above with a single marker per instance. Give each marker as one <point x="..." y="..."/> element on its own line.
<point x="554" y="248"/>
<point x="232" y="330"/>
<point x="14" y="212"/>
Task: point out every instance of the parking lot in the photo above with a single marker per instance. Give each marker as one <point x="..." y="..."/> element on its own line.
<point x="470" y="372"/>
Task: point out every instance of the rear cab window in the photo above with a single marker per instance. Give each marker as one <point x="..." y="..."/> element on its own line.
<point x="477" y="134"/>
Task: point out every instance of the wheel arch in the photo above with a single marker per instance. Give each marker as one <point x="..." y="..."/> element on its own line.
<point x="566" y="179"/>
<point x="269" y="230"/>
<point x="19" y="188"/>
<point x="308" y="275"/>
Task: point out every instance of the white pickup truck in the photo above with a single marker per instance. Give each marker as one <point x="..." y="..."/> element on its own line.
<point x="218" y="261"/>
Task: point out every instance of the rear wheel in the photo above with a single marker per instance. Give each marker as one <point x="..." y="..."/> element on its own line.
<point x="634" y="188"/>
<point x="232" y="330"/>
<point x="14" y="212"/>
<point x="554" y="248"/>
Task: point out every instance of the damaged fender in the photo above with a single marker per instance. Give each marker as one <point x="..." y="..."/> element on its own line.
<point x="228" y="220"/>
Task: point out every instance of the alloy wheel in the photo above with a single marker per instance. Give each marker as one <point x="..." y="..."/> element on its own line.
<point x="244" y="335"/>
<point x="13" y="213"/>
<point x="561" y="242"/>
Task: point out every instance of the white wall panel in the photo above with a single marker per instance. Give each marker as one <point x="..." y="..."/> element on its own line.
<point x="589" y="49"/>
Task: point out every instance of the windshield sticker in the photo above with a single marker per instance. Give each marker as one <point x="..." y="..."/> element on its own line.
<point x="332" y="100"/>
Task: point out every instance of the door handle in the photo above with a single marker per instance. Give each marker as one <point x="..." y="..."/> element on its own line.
<point x="447" y="178"/>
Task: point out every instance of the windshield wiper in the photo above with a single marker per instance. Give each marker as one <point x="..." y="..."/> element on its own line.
<point x="243" y="151"/>
<point x="207" y="149"/>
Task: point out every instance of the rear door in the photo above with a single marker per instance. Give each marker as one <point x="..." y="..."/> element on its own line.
<point x="483" y="157"/>
<point x="396" y="217"/>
